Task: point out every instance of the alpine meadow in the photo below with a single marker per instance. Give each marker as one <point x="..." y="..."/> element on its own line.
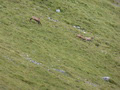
<point x="59" y="44"/>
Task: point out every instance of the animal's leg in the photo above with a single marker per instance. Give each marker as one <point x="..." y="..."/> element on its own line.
<point x="30" y="19"/>
<point x="39" y="22"/>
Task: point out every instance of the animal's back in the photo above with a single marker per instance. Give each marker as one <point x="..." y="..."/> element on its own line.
<point x="35" y="18"/>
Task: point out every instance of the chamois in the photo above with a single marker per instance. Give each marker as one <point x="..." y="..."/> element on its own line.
<point x="36" y="19"/>
<point x="85" y="38"/>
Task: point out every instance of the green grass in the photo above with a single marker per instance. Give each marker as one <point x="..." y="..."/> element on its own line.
<point x="56" y="48"/>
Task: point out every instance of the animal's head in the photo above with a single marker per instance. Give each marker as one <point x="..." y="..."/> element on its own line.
<point x="92" y="37"/>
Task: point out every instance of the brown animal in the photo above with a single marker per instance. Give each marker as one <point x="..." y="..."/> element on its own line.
<point x="85" y="38"/>
<point x="36" y="19"/>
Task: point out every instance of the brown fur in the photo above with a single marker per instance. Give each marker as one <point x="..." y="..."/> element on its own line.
<point x="36" y="19"/>
<point x="84" y="38"/>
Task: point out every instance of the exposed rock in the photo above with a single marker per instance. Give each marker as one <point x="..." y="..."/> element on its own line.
<point x="92" y="84"/>
<point x="58" y="10"/>
<point x="30" y="59"/>
<point x="79" y="28"/>
<point x="106" y="78"/>
<point x="52" y="19"/>
<point x="61" y="71"/>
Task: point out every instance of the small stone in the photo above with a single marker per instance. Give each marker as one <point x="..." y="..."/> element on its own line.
<point x="61" y="71"/>
<point x="77" y="27"/>
<point x="52" y="19"/>
<point x="106" y="78"/>
<point x="58" y="10"/>
<point x="74" y="26"/>
<point x="49" y="18"/>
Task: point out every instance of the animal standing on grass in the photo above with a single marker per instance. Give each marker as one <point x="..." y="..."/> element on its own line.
<point x="36" y="19"/>
<point x="85" y="38"/>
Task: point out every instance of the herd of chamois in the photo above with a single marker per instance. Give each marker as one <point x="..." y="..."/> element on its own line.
<point x="79" y="36"/>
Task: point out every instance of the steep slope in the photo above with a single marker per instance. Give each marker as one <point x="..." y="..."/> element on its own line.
<point x="50" y="56"/>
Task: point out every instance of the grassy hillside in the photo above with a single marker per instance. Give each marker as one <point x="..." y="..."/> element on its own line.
<point x="50" y="56"/>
